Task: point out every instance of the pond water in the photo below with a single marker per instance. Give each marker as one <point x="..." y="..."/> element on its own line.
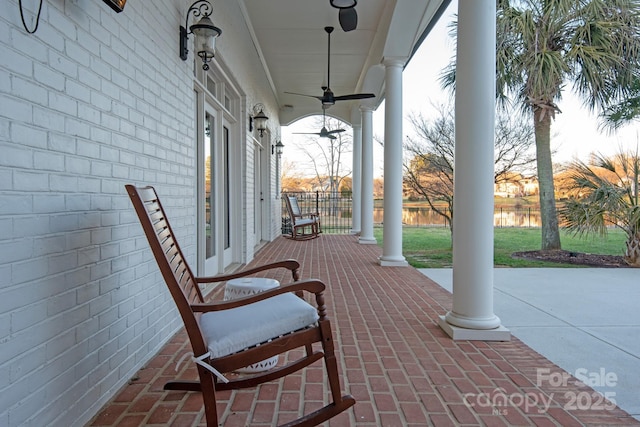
<point x="503" y="217"/>
<point x="336" y="213"/>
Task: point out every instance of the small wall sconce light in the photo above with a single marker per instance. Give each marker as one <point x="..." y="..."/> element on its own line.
<point x="204" y="30"/>
<point x="259" y="118"/>
<point x="279" y="148"/>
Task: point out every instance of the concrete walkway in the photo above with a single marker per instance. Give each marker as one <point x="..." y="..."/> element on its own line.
<point x="585" y="320"/>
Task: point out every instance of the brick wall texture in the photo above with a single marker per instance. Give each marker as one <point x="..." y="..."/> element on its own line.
<point x="93" y="100"/>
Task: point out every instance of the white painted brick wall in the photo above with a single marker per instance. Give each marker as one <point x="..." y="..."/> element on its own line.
<point x="92" y="101"/>
<point x="81" y="302"/>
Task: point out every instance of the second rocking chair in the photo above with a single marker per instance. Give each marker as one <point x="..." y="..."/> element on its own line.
<point x="301" y="221"/>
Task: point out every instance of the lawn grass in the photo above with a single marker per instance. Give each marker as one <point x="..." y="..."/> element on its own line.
<point x="431" y="247"/>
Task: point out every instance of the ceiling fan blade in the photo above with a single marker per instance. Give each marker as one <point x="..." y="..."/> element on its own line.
<point x="304" y="94"/>
<point x="348" y="19"/>
<point x="354" y="96"/>
<point x="335" y="131"/>
<point x="321" y="135"/>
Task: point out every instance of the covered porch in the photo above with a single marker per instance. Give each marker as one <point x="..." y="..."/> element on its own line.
<point x="395" y="360"/>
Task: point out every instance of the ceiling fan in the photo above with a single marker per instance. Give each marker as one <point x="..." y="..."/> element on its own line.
<point x="328" y="98"/>
<point x="324" y="133"/>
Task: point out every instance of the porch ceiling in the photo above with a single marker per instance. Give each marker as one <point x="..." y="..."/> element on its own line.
<point x="290" y="39"/>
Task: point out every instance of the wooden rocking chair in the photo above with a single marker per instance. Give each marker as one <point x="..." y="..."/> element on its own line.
<point x="301" y="220"/>
<point x="228" y="335"/>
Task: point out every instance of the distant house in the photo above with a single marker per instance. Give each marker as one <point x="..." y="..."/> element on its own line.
<point x="516" y="185"/>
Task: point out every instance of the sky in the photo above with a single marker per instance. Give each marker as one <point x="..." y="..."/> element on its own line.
<point x="574" y="133"/>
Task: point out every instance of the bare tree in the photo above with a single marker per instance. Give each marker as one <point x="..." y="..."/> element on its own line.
<point x="288" y="168"/>
<point x="429" y="162"/>
<point x="325" y="156"/>
<point x="290" y="178"/>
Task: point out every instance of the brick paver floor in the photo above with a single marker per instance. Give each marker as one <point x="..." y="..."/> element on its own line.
<point x="400" y="366"/>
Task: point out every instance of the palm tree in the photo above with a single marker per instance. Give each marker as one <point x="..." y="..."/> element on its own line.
<point x="607" y="195"/>
<point x="624" y="112"/>
<point x="542" y="45"/>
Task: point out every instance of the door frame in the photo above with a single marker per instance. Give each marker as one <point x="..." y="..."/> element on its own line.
<point x="226" y="182"/>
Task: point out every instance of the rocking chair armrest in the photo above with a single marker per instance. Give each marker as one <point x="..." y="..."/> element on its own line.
<point x="313" y="286"/>
<point x="312" y="215"/>
<point x="289" y="264"/>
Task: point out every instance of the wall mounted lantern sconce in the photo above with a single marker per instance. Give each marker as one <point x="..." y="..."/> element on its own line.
<point x="204" y="30"/>
<point x="278" y="147"/>
<point x="259" y="119"/>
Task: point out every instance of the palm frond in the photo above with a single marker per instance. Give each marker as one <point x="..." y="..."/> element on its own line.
<point x="607" y="195"/>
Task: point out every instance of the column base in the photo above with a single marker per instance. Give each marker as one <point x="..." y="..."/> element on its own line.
<point x="355" y="232"/>
<point x="397" y="262"/>
<point x="457" y="333"/>
<point x="367" y="241"/>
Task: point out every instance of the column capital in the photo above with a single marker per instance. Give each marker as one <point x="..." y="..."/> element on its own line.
<point x="394" y="61"/>
<point x="366" y="108"/>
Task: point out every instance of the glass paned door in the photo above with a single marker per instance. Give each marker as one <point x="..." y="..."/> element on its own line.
<point x="257" y="195"/>
<point x="226" y="202"/>
<point x="210" y="193"/>
<point x="216" y="238"/>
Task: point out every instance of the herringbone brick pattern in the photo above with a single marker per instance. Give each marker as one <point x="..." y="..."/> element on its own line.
<point x="394" y="359"/>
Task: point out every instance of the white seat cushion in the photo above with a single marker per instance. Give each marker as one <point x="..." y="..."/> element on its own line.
<point x="230" y="331"/>
<point x="305" y="221"/>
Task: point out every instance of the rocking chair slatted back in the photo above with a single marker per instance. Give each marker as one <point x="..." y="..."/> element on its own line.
<point x="179" y="268"/>
<point x="295" y="207"/>
<point x="175" y="271"/>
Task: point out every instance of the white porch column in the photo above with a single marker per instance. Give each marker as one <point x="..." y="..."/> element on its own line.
<point x="366" y="229"/>
<point x="472" y="317"/>
<point x="356" y="179"/>
<point x="392" y="227"/>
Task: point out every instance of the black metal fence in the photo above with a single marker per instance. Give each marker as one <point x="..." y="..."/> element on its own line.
<point x="336" y="210"/>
